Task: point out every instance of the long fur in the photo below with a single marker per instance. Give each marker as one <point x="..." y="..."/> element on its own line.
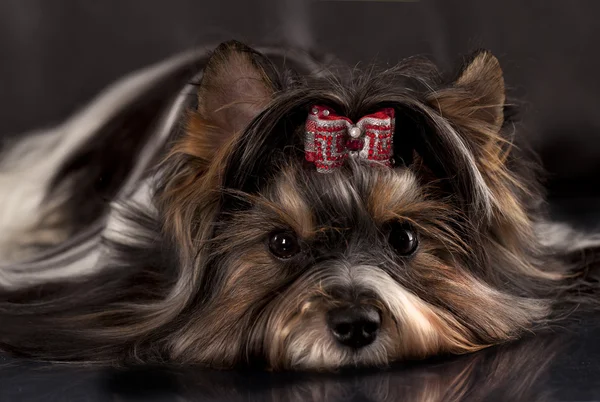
<point x="137" y="233"/>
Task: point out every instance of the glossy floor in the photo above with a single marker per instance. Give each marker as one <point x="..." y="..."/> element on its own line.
<point x="561" y="366"/>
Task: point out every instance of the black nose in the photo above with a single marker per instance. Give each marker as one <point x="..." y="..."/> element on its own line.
<point x="355" y="326"/>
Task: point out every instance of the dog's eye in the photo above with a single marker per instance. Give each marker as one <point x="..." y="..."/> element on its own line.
<point x="403" y="238"/>
<point x="284" y="245"/>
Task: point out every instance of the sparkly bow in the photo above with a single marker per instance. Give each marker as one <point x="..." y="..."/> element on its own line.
<point x="331" y="139"/>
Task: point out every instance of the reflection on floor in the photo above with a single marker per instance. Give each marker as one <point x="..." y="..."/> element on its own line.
<point x="562" y="365"/>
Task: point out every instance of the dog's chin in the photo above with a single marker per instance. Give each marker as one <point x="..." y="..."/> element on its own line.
<point x="314" y="348"/>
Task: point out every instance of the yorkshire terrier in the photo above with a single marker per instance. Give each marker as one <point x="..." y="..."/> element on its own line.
<point x="246" y="208"/>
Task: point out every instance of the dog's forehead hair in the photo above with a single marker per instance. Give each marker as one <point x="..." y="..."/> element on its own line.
<point x="356" y="196"/>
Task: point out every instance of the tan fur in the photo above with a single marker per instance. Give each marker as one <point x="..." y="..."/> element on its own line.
<point x="296" y="334"/>
<point x="474" y="105"/>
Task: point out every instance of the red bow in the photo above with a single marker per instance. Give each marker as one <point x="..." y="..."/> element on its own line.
<point x="331" y="139"/>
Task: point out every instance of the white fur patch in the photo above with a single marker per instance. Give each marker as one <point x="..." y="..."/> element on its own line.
<point x="28" y="166"/>
<point x="563" y="237"/>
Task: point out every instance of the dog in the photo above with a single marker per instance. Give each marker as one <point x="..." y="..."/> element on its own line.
<point x="242" y="207"/>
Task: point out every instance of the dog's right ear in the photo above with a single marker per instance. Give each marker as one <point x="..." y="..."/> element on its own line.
<point x="238" y="82"/>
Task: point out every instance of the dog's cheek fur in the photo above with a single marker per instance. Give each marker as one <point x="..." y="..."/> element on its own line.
<point x="485" y="313"/>
<point x="462" y="272"/>
<point x="216" y="332"/>
<point x="243" y="277"/>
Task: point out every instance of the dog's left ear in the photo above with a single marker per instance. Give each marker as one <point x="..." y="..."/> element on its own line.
<point x="475" y="100"/>
<point x="474" y="105"/>
<point x="483" y="78"/>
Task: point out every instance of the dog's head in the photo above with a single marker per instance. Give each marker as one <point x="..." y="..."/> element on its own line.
<point x="364" y="264"/>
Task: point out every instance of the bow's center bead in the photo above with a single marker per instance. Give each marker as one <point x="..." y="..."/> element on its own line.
<point x="355" y="132"/>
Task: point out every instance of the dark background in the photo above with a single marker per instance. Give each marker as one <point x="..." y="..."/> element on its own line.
<point x="55" y="55"/>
